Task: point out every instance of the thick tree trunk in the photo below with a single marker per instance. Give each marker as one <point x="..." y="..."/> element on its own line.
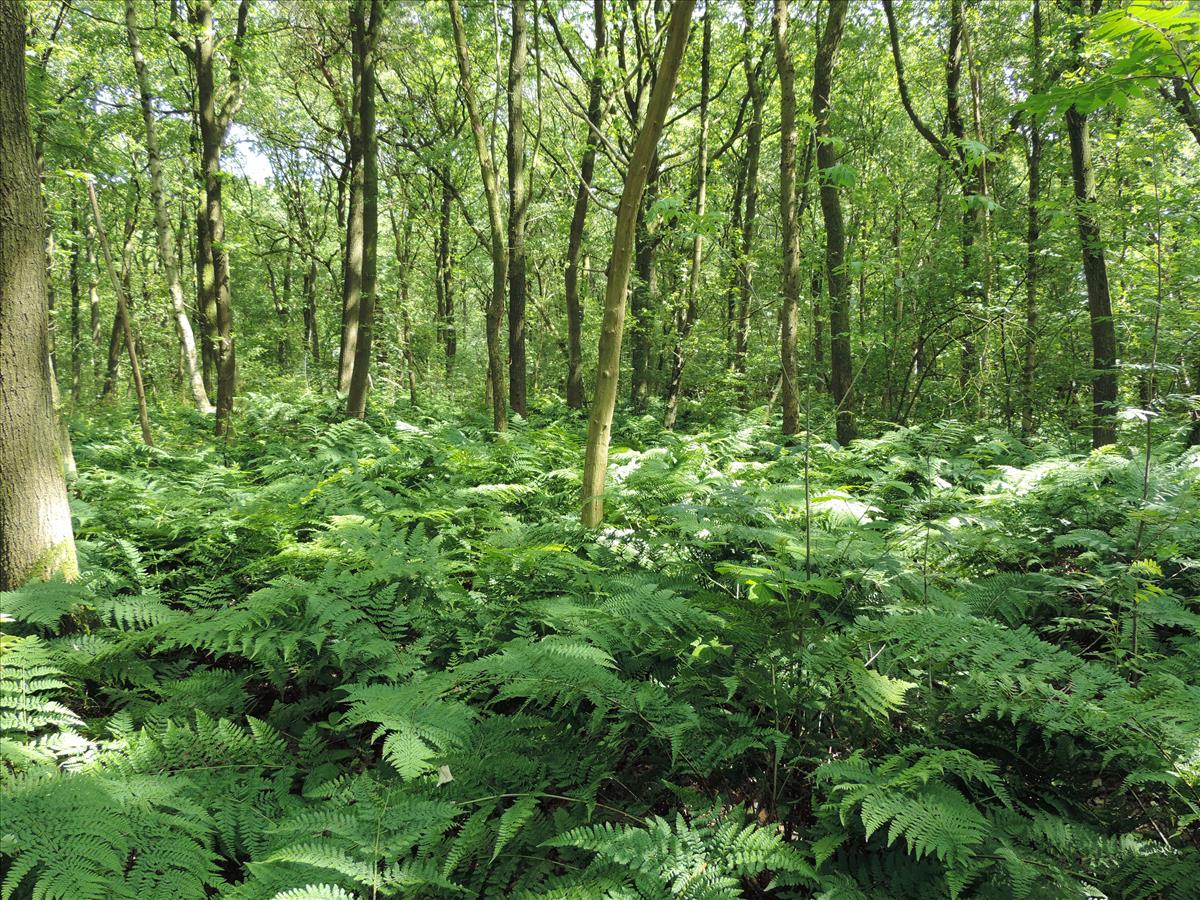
<point x="595" y="463"/>
<point x="487" y="169"/>
<point x="686" y="319"/>
<point x="123" y="316"/>
<point x="841" y="366"/>
<point x="790" y="287"/>
<point x="35" y="520"/>
<point x="517" y="210"/>
<point x="166" y="248"/>
<point x="206" y="293"/>
<point x="587" y="166"/>
<point x="1095" y="272"/>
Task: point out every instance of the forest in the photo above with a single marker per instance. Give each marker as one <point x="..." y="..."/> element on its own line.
<point x="623" y="449"/>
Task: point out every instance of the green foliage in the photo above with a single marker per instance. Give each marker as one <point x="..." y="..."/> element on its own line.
<point x="366" y="662"/>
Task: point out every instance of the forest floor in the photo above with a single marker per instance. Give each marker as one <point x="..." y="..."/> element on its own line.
<point x="383" y="659"/>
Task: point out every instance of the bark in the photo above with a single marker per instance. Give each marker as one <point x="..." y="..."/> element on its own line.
<point x="360" y="383"/>
<point x="517" y="210"/>
<point x="93" y="298"/>
<point x="123" y="315"/>
<point x="35" y="520"/>
<point x="166" y="247"/>
<point x="76" y="343"/>
<point x="1095" y="271"/>
<point x="609" y="355"/>
<point x="214" y="124"/>
<point x="1032" y="236"/>
<point x="499" y="252"/>
<point x="206" y="292"/>
<point x="754" y="129"/>
<point x="116" y="335"/>
<point x="312" y="340"/>
<point x="587" y="167"/>
<point x="841" y="364"/>
<point x="644" y="290"/>
<point x="446" y="276"/>
<point x="687" y="318"/>
<point x="1179" y="96"/>
<point x="790" y="287"/>
<point x="352" y="260"/>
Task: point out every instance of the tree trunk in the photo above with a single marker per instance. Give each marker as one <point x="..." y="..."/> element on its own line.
<point x="76" y="343"/>
<point x="687" y="318"/>
<point x="445" y="275"/>
<point x="644" y="290"/>
<point x="517" y="210"/>
<point x="360" y="381"/>
<point x="123" y="316"/>
<point x="841" y="366"/>
<point x="352" y="260"/>
<point x="212" y="136"/>
<point x="1095" y="271"/>
<point x="745" y="274"/>
<point x="166" y="248"/>
<point x="487" y="169"/>
<point x="790" y="287"/>
<point x="645" y="148"/>
<point x="587" y="166"/>
<point x="1032" y="236"/>
<point x="35" y="520"/>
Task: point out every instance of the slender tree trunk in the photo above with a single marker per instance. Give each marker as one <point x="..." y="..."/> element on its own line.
<point x="35" y="520"/>
<point x="166" y="248"/>
<point x="445" y="276"/>
<point x="94" y="328"/>
<point x="687" y="318"/>
<point x="487" y="168"/>
<point x="517" y="210"/>
<point x="587" y="166"/>
<point x="746" y="250"/>
<point x="206" y="293"/>
<point x="352" y="260"/>
<point x="312" y="340"/>
<point x="790" y="287"/>
<point x="123" y="314"/>
<point x="360" y="383"/>
<point x="76" y="343"/>
<point x="212" y="136"/>
<point x="645" y="288"/>
<point x="645" y="148"/>
<point x="1032" y="236"/>
<point x="841" y="366"/>
<point x="1095" y="271"/>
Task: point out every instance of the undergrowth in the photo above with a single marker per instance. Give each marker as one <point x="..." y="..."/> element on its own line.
<point x="338" y="659"/>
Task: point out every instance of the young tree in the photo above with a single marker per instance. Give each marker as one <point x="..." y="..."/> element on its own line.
<point x="366" y="41"/>
<point x="595" y="463"/>
<point x="499" y="250"/>
<point x="214" y="120"/>
<point x="587" y="167"/>
<point x="841" y="366"/>
<point x="686" y="318"/>
<point x="35" y="521"/>
<point x="1095" y="270"/>
<point x="518" y="209"/>
<point x="166" y="246"/>
<point x="789" y="217"/>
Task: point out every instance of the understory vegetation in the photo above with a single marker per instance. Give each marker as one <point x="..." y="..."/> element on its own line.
<point x="339" y="658"/>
